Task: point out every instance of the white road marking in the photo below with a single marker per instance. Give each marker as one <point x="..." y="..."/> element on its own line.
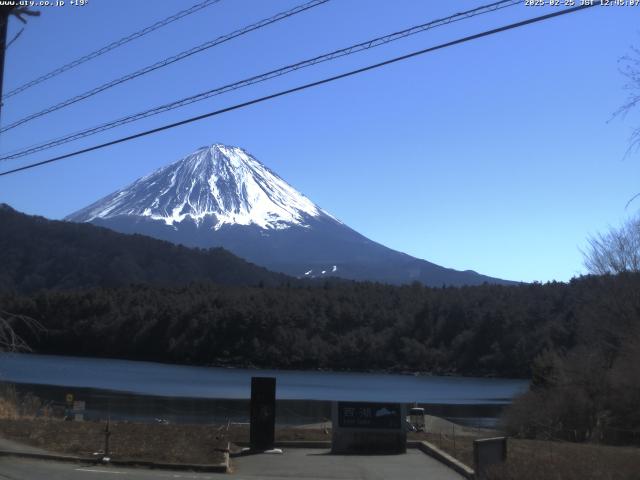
<point x="157" y="474"/>
<point x="93" y="470"/>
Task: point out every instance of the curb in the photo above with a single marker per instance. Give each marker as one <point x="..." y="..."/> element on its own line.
<point x="304" y="444"/>
<point x="424" y="446"/>
<point x="52" y="457"/>
<point x="295" y="444"/>
<point x="213" y="468"/>
<point x="443" y="457"/>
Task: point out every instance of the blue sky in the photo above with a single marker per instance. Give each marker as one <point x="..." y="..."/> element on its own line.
<point x="498" y="155"/>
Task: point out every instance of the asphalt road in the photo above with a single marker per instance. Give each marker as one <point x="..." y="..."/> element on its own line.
<point x="294" y="463"/>
<point x="320" y="465"/>
<point x="12" y="468"/>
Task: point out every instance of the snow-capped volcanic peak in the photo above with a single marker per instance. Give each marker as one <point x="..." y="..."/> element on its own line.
<point x="219" y="181"/>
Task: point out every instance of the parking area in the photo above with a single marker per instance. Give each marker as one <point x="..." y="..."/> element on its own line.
<point x="316" y="464"/>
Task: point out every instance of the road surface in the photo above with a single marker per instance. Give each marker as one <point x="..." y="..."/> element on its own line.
<point x="293" y="464"/>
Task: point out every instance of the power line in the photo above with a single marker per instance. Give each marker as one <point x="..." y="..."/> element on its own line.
<point x="118" y="43"/>
<point x="264" y="77"/>
<point x="305" y="86"/>
<point x="168" y="61"/>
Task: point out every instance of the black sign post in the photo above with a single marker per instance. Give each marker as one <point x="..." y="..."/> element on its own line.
<point x="263" y="413"/>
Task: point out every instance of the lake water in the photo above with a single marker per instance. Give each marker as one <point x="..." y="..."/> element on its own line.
<point x="153" y="389"/>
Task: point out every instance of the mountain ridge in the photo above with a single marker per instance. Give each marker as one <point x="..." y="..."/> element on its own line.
<point x="222" y="196"/>
<point x="37" y="253"/>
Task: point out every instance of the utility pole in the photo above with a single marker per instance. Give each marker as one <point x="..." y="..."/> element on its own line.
<point x="4" y="23"/>
<point x="5" y="12"/>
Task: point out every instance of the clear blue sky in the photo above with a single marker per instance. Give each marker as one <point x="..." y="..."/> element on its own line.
<point x="496" y="155"/>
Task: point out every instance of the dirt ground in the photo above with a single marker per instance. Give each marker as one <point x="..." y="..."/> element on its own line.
<point x="167" y="443"/>
<point x="194" y="444"/>
<point x="204" y="444"/>
<point x="526" y="459"/>
<point x="537" y="459"/>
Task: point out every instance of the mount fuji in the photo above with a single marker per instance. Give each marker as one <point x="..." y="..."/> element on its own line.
<point x="222" y="196"/>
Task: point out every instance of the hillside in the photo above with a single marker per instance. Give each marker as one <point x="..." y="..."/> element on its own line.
<point x="36" y="253"/>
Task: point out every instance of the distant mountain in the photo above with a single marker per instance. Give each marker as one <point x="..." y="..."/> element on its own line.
<point x="223" y="196"/>
<point x="37" y="253"/>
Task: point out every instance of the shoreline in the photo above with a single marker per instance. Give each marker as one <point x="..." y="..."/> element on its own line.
<point x="102" y="403"/>
<point x="249" y="366"/>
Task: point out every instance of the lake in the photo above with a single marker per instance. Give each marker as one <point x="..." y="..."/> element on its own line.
<point x="187" y="393"/>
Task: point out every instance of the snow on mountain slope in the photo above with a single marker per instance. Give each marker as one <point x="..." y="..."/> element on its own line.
<point x="220" y="196"/>
<point x="218" y="181"/>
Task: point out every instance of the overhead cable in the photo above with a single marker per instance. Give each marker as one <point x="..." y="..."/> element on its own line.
<point x="369" y="44"/>
<point x="303" y="87"/>
<point x="113" y="45"/>
<point x="166" y="61"/>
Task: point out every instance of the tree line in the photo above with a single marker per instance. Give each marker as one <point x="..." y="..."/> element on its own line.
<point x="481" y="330"/>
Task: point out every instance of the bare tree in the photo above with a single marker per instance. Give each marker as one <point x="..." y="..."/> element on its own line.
<point x="10" y="340"/>
<point x="616" y="251"/>
<point x="630" y="68"/>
